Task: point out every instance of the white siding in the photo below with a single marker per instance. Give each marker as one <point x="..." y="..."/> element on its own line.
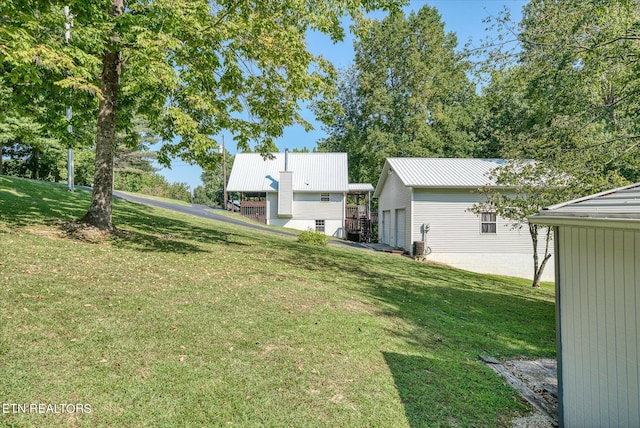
<point x="331" y="227"/>
<point x="454" y="229"/>
<point x="309" y="206"/>
<point x="272" y="207"/>
<point x="385" y="229"/>
<point x="400" y="228"/>
<point x="306" y="209"/>
<point x="394" y="196"/>
<point x="599" y="301"/>
<point x="455" y="236"/>
<point x="285" y="194"/>
<point x="507" y="264"/>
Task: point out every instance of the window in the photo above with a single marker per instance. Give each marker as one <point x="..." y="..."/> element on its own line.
<point x="488" y="222"/>
<point x="324" y="197"/>
<point x="320" y="226"/>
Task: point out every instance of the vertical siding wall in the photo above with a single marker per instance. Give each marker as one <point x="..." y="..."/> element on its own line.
<point x="599" y="302"/>
<point x="395" y="196"/>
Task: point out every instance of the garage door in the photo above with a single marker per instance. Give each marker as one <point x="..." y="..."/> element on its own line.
<point x="400" y="228"/>
<point x="386" y="227"/>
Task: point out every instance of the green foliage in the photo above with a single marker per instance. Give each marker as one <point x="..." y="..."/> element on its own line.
<point x="40" y="76"/>
<point x="191" y="68"/>
<point x="570" y="100"/>
<point x="179" y="191"/>
<point x="47" y="162"/>
<point x="203" y="197"/>
<point x="132" y="162"/>
<point x="133" y="168"/>
<point x="153" y="184"/>
<point x="212" y="191"/>
<point x="311" y="237"/>
<point x="407" y="94"/>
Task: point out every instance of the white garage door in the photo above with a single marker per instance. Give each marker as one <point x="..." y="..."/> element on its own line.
<point x="400" y="228"/>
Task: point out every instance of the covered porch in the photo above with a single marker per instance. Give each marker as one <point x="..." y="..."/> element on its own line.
<point x="254" y="206"/>
<point x="359" y="219"/>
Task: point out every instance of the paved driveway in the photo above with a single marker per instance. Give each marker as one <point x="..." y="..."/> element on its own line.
<point x="210" y="213"/>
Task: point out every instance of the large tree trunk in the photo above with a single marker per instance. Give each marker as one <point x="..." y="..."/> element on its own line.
<point x="1" y="158"/>
<point x="99" y="214"/>
<point x="538" y="270"/>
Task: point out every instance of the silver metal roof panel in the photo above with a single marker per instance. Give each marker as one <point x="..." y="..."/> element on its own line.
<point x="620" y="203"/>
<point x="312" y="172"/>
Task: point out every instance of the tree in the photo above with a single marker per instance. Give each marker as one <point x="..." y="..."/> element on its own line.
<point x="180" y="192"/>
<point x="583" y="81"/>
<point x="190" y="67"/>
<point x="133" y="158"/>
<point x="568" y="100"/>
<point x="407" y="94"/>
<point x="569" y="95"/>
<point x="521" y="189"/>
<point x="38" y="73"/>
<point x="212" y="191"/>
<point x="202" y="196"/>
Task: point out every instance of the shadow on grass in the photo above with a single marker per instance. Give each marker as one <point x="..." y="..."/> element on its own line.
<point x="25" y="202"/>
<point x="154" y="229"/>
<point x="445" y="318"/>
<point x="416" y="380"/>
<point x="34" y="201"/>
<point x="445" y="307"/>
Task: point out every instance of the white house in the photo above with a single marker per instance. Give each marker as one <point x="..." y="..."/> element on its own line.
<point x="597" y="255"/>
<point x="297" y="190"/>
<point x="429" y="199"/>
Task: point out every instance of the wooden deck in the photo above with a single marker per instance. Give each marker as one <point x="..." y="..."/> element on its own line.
<point x="255" y="210"/>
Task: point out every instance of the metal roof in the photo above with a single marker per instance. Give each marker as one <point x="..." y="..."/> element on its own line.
<point x="312" y="172"/>
<point x="620" y="203"/>
<point x="440" y="172"/>
<point x="360" y="187"/>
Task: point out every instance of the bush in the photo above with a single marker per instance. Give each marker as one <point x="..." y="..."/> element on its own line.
<point x="312" y="237"/>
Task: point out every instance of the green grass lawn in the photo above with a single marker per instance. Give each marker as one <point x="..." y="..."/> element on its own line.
<point x="156" y="198"/>
<point x="182" y="321"/>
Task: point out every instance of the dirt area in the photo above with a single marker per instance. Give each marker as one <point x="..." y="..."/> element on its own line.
<point x="535" y="420"/>
<point x="540" y="376"/>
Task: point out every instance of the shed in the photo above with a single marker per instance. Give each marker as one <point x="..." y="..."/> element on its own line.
<point x="597" y="259"/>
<point x="430" y="199"/>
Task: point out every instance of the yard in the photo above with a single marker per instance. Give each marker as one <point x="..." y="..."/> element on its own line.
<point x="185" y="321"/>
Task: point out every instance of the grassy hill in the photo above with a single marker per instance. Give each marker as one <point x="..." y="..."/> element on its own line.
<point x="181" y="321"/>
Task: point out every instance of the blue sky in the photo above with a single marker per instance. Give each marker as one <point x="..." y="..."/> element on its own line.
<point x="462" y="17"/>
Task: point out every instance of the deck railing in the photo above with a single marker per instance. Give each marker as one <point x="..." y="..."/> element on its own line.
<point x="358" y="223"/>
<point x="254" y="210"/>
<point x="356" y="211"/>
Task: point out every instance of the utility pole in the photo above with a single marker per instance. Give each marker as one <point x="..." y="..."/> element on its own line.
<point x="224" y="175"/>
<point x="67" y="35"/>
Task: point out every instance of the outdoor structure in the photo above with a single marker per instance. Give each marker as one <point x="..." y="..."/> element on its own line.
<point x="429" y="200"/>
<point x="359" y="219"/>
<point x="298" y="190"/>
<point x="598" y="307"/>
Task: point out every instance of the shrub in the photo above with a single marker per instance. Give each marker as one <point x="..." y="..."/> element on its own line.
<point x="312" y="237"/>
